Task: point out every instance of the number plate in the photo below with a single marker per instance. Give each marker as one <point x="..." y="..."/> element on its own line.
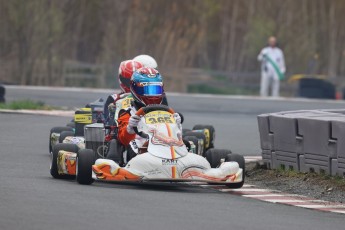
<point x="159" y="117"/>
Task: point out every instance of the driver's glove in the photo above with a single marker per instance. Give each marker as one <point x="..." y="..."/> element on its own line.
<point x="178" y="120"/>
<point x="111" y="107"/>
<point x="132" y="122"/>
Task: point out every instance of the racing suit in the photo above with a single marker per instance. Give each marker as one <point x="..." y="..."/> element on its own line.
<point x="123" y="136"/>
<point x="108" y="117"/>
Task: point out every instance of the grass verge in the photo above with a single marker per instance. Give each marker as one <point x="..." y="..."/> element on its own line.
<point x="26" y="104"/>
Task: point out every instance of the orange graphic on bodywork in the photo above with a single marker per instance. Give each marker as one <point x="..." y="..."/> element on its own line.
<point x="71" y="167"/>
<point x="190" y="174"/>
<point x="103" y="171"/>
<point x="159" y="138"/>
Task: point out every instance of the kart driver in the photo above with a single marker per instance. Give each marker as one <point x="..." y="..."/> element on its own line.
<point x="126" y="70"/>
<point x="147" y="89"/>
<point x="115" y="102"/>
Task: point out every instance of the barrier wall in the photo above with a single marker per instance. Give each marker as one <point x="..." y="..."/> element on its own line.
<point x="305" y="141"/>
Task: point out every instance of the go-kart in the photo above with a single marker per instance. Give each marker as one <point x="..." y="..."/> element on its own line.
<point x="91" y="113"/>
<point x="163" y="157"/>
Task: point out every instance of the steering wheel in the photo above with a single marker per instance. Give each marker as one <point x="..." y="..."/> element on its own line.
<point x="150" y="108"/>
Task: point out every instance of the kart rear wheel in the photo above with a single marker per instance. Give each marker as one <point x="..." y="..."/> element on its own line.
<point x="201" y="137"/>
<point x="241" y="162"/>
<point x="195" y="142"/>
<point x="65" y="134"/>
<point x="56" y="130"/>
<point x="214" y="156"/>
<point x="85" y="160"/>
<point x="211" y="130"/>
<point x="54" y="167"/>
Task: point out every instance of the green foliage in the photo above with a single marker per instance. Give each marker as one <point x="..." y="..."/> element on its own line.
<point x="26" y="104"/>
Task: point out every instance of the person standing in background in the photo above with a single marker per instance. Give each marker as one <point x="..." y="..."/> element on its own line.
<point x="272" y="68"/>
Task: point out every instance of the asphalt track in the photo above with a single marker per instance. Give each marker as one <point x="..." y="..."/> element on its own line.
<point x="31" y="199"/>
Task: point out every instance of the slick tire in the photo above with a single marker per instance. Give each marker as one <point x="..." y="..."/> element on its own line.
<point x="195" y="142"/>
<point x="85" y="160"/>
<point x="214" y="156"/>
<point x="211" y="130"/>
<point x="71" y="124"/>
<point x="241" y="162"/>
<point x="57" y="130"/>
<point x="65" y="134"/>
<point x="53" y="166"/>
<point x="184" y="131"/>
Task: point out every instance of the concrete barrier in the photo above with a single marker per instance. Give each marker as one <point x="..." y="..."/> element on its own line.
<point x="305" y="141"/>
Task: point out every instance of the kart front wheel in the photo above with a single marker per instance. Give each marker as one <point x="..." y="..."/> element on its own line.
<point x="65" y="134"/>
<point x="215" y="156"/>
<point x="54" y="162"/>
<point x="241" y="162"/>
<point x="57" y="131"/>
<point x="85" y="160"/>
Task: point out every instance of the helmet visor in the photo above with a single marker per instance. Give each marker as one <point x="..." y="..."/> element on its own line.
<point x="148" y="89"/>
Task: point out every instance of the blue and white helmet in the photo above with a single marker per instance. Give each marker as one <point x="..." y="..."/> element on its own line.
<point x="147" y="86"/>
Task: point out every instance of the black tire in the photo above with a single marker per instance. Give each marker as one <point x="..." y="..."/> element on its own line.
<point x="115" y="152"/>
<point x="212" y="133"/>
<point x="57" y="130"/>
<point x="200" y="136"/>
<point x="241" y="162"/>
<point x="85" y="160"/>
<point x="65" y="134"/>
<point x="184" y="131"/>
<point x="71" y="124"/>
<point x="214" y="156"/>
<point x="195" y="142"/>
<point x="53" y="167"/>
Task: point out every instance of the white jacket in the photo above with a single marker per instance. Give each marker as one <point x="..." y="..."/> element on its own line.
<point x="276" y="55"/>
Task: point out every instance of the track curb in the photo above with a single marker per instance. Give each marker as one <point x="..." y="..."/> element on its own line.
<point x="278" y="197"/>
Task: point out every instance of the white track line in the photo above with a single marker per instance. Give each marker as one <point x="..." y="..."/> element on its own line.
<point x="276" y="197"/>
<point x="285" y="201"/>
<point x="246" y="190"/>
<point x="264" y="195"/>
<point x="318" y="206"/>
<point x="338" y="211"/>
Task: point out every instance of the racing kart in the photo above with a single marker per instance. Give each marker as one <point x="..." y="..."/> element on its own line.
<point x="91" y="113"/>
<point x="162" y="157"/>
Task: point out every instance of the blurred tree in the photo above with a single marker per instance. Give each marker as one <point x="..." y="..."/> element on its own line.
<point x="38" y="37"/>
